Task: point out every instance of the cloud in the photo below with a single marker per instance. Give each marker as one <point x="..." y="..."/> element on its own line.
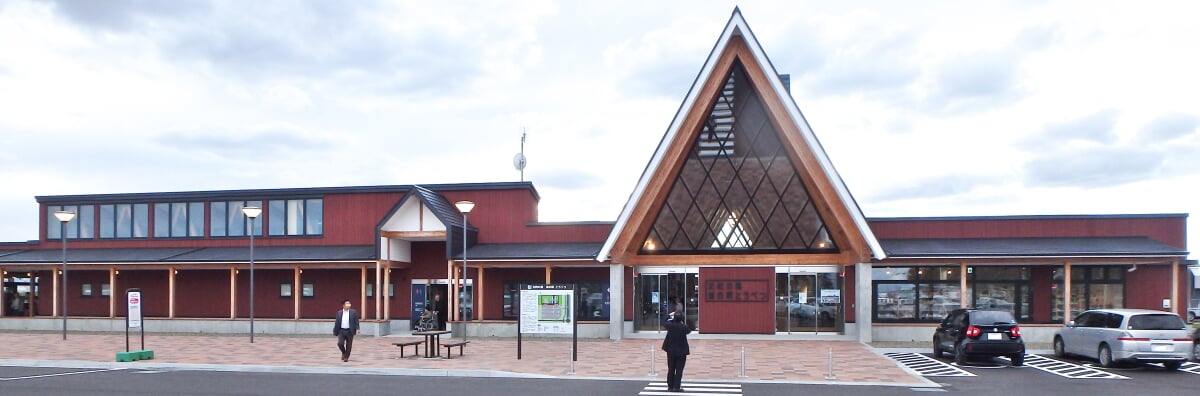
<point x="274" y="141"/>
<point x="870" y="66"/>
<point x="1170" y="126"/>
<point x="1091" y="167"/>
<point x="940" y="186"/>
<point x="125" y="15"/>
<point x="1097" y="127"/>
<point x="566" y="179"/>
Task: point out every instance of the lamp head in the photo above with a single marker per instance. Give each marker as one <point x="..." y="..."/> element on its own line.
<point x="251" y="211"/>
<point x="64" y="215"/>
<point x="464" y="206"/>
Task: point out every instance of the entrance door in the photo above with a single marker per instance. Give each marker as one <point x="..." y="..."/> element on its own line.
<point x="807" y="301"/>
<point x="655" y="293"/>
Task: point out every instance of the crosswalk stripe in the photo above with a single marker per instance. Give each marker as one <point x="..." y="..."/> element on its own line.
<point x="660" y="389"/>
<point x="1068" y="370"/>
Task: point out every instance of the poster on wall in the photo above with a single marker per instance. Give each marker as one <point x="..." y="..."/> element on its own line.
<point x="547" y="309"/>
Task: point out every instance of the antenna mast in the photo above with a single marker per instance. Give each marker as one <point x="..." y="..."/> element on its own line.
<point x="519" y="159"/>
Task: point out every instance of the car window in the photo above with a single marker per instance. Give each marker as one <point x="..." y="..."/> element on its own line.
<point x="1084" y="319"/>
<point x="1156" y="322"/>
<point x="1114" y="321"/>
<point x="991" y="318"/>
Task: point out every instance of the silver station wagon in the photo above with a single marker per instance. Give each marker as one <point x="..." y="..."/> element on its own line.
<point x="1126" y="335"/>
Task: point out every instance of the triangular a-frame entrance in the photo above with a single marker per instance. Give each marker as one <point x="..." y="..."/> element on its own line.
<point x="739" y="177"/>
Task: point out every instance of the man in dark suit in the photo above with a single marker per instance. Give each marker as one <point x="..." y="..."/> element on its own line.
<point x="345" y="326"/>
<point x="676" y="346"/>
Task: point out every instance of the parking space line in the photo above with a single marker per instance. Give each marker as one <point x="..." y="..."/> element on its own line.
<point x="1190" y="367"/>
<point x="1066" y="369"/>
<point x="927" y="366"/>
<point x="58" y="374"/>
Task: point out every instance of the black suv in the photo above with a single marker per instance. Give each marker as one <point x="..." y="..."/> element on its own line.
<point x="971" y="333"/>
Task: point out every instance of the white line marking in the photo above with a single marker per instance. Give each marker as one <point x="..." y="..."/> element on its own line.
<point x="59" y="374"/>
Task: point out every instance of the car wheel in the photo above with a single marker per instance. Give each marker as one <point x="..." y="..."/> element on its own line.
<point x="1105" y="356"/>
<point x="1172" y="366"/>
<point x="937" y="348"/>
<point x="1060" y="350"/>
<point x="1018" y="359"/>
<point x="960" y="356"/>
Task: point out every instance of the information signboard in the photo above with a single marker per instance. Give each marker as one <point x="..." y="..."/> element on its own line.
<point x="135" y="309"/>
<point x="547" y="309"/>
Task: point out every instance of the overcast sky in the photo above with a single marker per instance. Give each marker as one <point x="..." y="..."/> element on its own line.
<point x="925" y="108"/>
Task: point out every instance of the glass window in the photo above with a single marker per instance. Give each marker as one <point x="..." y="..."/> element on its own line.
<point x="938" y="273"/>
<point x="141" y="220"/>
<point x="235" y="219"/>
<point x="277" y="215"/>
<point x="162" y="220"/>
<point x="938" y="300"/>
<point x="1156" y="322"/>
<point x="216" y="222"/>
<point x="887" y="273"/>
<point x="196" y="219"/>
<point x="295" y="217"/>
<point x="86" y="218"/>
<point x="124" y="221"/>
<point x="593" y="300"/>
<point x="108" y="218"/>
<point x="313" y="223"/>
<point x="179" y="219"/>
<point x="895" y="301"/>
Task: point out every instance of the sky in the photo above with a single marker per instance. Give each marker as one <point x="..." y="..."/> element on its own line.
<point x="926" y="108"/>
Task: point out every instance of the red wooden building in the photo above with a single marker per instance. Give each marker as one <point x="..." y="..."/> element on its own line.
<point x="740" y="218"/>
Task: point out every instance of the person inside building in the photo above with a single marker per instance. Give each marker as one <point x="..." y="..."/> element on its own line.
<point x="438" y="306"/>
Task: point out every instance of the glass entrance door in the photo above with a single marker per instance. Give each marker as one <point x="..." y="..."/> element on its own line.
<point x="807" y="301"/>
<point x="660" y="293"/>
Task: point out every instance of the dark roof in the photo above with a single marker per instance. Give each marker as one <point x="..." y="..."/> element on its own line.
<point x="443" y="209"/>
<point x="8" y="252"/>
<point x="215" y="254"/>
<point x="1032" y="247"/>
<point x="281" y="253"/>
<point x="278" y="193"/>
<point x="540" y="251"/>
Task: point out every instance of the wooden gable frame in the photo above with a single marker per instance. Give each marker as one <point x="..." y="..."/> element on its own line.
<point x="842" y="217"/>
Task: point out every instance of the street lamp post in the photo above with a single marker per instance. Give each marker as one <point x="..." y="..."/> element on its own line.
<point x="464" y="207"/>
<point x="64" y="217"/>
<point x="252" y="213"/>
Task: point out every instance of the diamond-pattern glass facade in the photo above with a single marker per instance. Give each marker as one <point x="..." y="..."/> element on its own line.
<point x="738" y="191"/>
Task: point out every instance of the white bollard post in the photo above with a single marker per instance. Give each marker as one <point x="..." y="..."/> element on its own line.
<point x="743" y="374"/>
<point x="829" y="375"/>
<point x="653" y="373"/>
<point x="570" y="355"/>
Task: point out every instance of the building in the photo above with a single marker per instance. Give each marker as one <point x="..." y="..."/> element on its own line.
<point x="740" y="216"/>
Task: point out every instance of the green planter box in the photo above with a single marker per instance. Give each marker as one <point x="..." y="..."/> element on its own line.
<point x="127" y="356"/>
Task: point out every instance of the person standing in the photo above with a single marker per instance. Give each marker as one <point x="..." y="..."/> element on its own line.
<point x="676" y="346"/>
<point x="345" y="326"/>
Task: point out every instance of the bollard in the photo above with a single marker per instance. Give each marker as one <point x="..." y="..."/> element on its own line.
<point x="653" y="373"/>
<point x="743" y="374"/>
<point x="829" y="375"/>
<point x="572" y="354"/>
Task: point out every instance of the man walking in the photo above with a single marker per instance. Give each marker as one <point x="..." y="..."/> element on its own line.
<point x="345" y="326"/>
<point x="676" y="346"/>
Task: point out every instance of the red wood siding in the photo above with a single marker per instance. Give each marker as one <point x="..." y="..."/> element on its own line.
<point x="330" y="287"/>
<point x="205" y="293"/>
<point x="737" y="317"/>
<point x="96" y="305"/>
<point x="267" y="303"/>
<point x="154" y="287"/>
<point x="1148" y="286"/>
<point x="1170" y="230"/>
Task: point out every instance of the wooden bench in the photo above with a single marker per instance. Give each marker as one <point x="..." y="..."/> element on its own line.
<point x="453" y="344"/>
<point x="415" y="344"/>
